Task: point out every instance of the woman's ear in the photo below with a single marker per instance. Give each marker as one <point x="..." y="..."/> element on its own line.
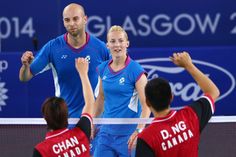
<point x="127" y="43"/>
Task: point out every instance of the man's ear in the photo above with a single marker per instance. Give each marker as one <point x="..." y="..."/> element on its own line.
<point x="148" y="103"/>
<point x="85" y="19"/>
<point x="172" y="97"/>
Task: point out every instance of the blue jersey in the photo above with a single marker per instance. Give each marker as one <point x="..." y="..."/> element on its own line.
<point x="120" y="96"/>
<point x="59" y="56"/>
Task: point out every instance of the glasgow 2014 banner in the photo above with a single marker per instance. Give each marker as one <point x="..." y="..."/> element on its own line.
<point x="149" y="23"/>
<point x="19" y="99"/>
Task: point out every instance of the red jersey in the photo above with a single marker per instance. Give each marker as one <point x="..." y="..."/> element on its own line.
<point x="178" y="133"/>
<point x="67" y="143"/>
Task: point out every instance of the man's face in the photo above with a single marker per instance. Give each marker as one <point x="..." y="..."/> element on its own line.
<point x="74" y="21"/>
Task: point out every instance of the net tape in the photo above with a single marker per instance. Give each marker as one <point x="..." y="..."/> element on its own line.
<point x="41" y="121"/>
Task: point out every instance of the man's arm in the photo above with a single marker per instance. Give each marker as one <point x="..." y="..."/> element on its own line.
<point x="207" y="86"/>
<point x="25" y="73"/>
<point x="143" y="149"/>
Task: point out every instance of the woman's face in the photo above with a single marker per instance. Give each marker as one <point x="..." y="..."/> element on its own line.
<point x="117" y="43"/>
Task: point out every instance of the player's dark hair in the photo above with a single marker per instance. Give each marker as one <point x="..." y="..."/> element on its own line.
<point x="55" y="113"/>
<point x="158" y="93"/>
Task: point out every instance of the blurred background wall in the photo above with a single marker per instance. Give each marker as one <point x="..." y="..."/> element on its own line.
<point x="207" y="29"/>
<point x="156" y="29"/>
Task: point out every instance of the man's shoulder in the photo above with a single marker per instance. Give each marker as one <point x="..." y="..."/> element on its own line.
<point x="95" y="40"/>
<point x="59" y="38"/>
<point x="185" y="109"/>
<point x="56" y="41"/>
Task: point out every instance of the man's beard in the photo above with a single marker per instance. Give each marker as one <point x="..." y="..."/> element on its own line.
<point x="75" y="33"/>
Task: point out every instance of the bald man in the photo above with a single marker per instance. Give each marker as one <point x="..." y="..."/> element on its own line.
<point x="59" y="55"/>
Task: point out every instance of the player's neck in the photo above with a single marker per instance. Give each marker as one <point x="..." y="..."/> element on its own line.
<point x="118" y="63"/>
<point x="161" y="114"/>
<point x="76" y="41"/>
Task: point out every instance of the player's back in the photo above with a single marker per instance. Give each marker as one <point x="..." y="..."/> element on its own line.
<point x="64" y="142"/>
<point x="177" y="134"/>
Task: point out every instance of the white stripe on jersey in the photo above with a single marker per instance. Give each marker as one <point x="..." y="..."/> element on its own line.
<point x="57" y="134"/>
<point x="161" y="120"/>
<point x="87" y="116"/>
<point x="211" y="103"/>
<point x="56" y="84"/>
<point x="133" y="104"/>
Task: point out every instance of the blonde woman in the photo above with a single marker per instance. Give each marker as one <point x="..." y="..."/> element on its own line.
<point x="121" y="94"/>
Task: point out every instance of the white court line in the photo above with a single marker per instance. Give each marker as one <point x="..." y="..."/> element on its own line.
<point x="41" y="121"/>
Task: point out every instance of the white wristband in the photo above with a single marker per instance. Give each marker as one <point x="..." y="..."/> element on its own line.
<point x="139" y="130"/>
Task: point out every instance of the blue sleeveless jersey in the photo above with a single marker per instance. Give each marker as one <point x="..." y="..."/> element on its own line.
<point x="59" y="56"/>
<point x="120" y="96"/>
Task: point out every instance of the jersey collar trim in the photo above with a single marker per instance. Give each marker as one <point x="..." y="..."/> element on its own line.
<point x="127" y="61"/>
<point x="162" y="119"/>
<point x="56" y="133"/>
<point x="82" y="47"/>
